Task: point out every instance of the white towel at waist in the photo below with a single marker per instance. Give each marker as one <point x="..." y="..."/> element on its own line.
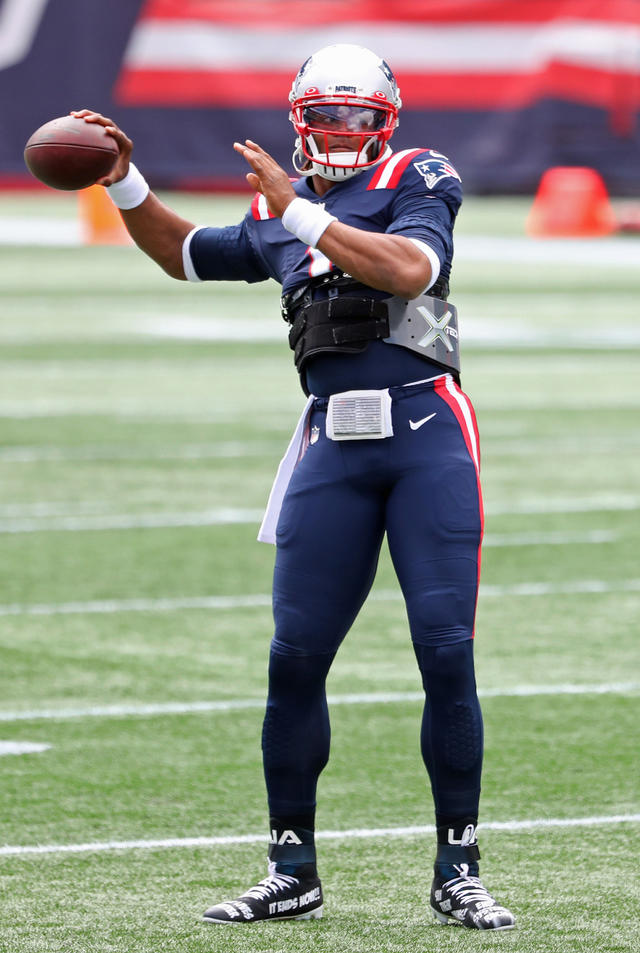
<point x="267" y="533"/>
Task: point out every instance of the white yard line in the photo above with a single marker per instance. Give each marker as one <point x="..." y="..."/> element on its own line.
<point x="40" y="231"/>
<point x="122" y="407"/>
<point x="534" y="824"/>
<point x="499" y="447"/>
<point x="590" y="537"/>
<point x="57" y="518"/>
<point x="107" y="606"/>
<point x="244" y="704"/>
<point x="615" y="252"/>
<point x="22" y="747"/>
<point x="586" y="586"/>
<point x="618" y="252"/>
<point x="604" y="502"/>
<point x="52" y="522"/>
<point x="213" y="451"/>
<point x="259" y="600"/>
<point x="126" y="521"/>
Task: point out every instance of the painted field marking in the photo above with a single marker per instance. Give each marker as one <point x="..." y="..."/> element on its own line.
<point x="41" y="509"/>
<point x="124" y="521"/>
<point x="535" y="824"/>
<point x="22" y="747"/>
<point x="56" y="518"/>
<point x="88" y="452"/>
<point x="590" y="537"/>
<point x="615" y="252"/>
<point x="243" y="704"/>
<point x="93" y="404"/>
<point x="501" y="445"/>
<point x="107" y="606"/>
<point x="605" y="502"/>
<point x="260" y="600"/>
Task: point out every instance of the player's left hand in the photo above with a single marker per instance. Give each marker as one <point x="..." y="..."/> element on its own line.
<point x="267" y="176"/>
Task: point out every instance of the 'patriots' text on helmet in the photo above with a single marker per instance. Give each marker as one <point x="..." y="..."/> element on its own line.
<point x="347" y="93"/>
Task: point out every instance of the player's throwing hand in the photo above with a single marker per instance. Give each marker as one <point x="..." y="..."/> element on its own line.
<point x="125" y="145"/>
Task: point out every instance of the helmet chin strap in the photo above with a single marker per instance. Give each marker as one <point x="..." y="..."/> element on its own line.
<point x="355" y="162"/>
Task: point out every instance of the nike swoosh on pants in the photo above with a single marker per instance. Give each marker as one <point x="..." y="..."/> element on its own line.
<point x="416" y="424"/>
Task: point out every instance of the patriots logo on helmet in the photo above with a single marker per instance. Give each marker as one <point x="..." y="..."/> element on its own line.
<point x="435" y="169"/>
<point x="305" y="66"/>
<point x="386" y="69"/>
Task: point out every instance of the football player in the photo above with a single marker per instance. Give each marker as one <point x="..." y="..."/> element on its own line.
<point x="362" y="245"/>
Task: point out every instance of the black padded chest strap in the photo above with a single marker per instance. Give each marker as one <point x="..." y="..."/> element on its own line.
<point x="367" y="320"/>
<point x="335" y="324"/>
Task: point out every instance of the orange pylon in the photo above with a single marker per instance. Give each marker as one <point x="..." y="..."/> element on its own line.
<point x="571" y="201"/>
<point x="100" y="219"/>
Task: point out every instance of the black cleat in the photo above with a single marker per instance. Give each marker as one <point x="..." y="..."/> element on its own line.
<point x="277" y="897"/>
<point x="466" y="902"/>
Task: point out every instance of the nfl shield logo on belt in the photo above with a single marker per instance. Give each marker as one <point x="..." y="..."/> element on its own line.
<point x="315" y="433"/>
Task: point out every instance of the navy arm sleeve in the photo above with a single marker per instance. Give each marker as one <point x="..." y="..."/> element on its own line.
<point x="226" y="254"/>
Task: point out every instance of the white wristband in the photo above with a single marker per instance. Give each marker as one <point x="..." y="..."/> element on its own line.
<point x="307" y="221"/>
<point x="130" y="191"/>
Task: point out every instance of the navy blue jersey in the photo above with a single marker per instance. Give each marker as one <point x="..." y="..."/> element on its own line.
<point x="415" y="193"/>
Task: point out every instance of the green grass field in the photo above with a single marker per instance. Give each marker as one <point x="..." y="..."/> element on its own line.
<point x="141" y="422"/>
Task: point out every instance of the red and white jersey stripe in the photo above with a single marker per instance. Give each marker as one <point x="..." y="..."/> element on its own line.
<point x="389" y="172"/>
<point x="260" y="209"/>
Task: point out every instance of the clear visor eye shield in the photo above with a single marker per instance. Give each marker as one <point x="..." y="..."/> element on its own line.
<point x="343" y="132"/>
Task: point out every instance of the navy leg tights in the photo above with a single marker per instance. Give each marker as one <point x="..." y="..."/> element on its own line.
<point x="296" y="732"/>
<point x="452" y="733"/>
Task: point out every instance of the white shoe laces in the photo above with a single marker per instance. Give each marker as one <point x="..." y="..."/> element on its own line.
<point x="271" y="886"/>
<point x="470" y="890"/>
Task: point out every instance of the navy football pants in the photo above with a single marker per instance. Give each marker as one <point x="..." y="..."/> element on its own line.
<point x="422" y="487"/>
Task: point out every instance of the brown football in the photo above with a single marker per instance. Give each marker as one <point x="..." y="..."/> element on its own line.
<point x="69" y="153"/>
